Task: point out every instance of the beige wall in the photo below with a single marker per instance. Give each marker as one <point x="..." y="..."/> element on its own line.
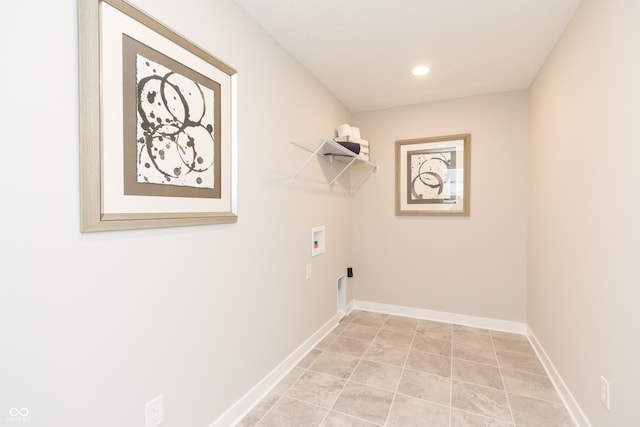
<point x="584" y="208"/>
<point x="473" y="266"/>
<point x="95" y="325"/>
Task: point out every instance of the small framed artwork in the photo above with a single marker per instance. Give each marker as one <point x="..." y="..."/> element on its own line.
<point x="157" y="124"/>
<point x="433" y="175"/>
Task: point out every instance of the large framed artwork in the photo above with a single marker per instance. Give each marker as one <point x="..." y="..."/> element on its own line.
<point x="157" y="124"/>
<point x="433" y="175"/>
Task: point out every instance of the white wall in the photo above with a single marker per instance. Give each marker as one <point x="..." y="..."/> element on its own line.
<point x="584" y="207"/>
<point x="95" y="325"/>
<point x="474" y="265"/>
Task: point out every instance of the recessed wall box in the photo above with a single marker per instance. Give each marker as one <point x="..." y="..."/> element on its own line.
<point x="317" y="240"/>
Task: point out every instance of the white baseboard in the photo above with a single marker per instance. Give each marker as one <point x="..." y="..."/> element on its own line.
<point x="579" y="418"/>
<point x="569" y="401"/>
<point x="243" y="406"/>
<point x="349" y="307"/>
<point x="441" y="316"/>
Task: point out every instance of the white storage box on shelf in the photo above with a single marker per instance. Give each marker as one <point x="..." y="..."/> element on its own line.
<point x="329" y="147"/>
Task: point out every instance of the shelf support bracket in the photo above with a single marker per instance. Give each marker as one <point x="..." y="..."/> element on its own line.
<point x="343" y="171"/>
<point x="315" y="153"/>
<point x="330" y="148"/>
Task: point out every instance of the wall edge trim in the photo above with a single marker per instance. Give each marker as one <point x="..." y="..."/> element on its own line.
<point x="242" y="407"/>
<point x="441" y="316"/>
<point x="576" y="413"/>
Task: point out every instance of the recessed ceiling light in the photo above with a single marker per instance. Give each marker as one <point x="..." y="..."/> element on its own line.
<point x="420" y="70"/>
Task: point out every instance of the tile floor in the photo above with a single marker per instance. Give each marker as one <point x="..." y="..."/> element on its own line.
<point x="382" y="370"/>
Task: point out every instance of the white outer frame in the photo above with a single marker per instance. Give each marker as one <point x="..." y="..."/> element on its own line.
<point x="90" y="93"/>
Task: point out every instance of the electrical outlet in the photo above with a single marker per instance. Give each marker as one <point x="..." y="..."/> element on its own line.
<point x="153" y="412"/>
<point x="308" y="271"/>
<point x="605" y="393"/>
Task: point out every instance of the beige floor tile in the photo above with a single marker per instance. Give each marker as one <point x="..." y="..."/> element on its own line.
<point x="474" y="353"/>
<point x="476" y="373"/>
<point x="439" y="335"/>
<point x="374" y="320"/>
<point x="399" y="339"/>
<point x="335" y="419"/>
<point x="466" y="419"/>
<point x="259" y="411"/>
<point x="472" y="329"/>
<point x="429" y="363"/>
<point x="520" y="362"/>
<point x="349" y="318"/>
<point x="431" y="345"/>
<point x="359" y="332"/>
<point x="293" y="413"/>
<point x="317" y="389"/>
<point x="441" y="331"/>
<point x="516" y="343"/>
<point x="444" y="375"/>
<point x="403" y="324"/>
<point x="350" y="346"/>
<point x="495" y="333"/>
<point x="480" y="400"/>
<point x="326" y="341"/>
<point x="529" y="412"/>
<point x="288" y="380"/>
<point x="410" y="412"/>
<point x="336" y="364"/>
<point x="339" y="328"/>
<point x="425" y="386"/>
<point x="530" y="385"/>
<point x="377" y="375"/>
<point x="309" y="358"/>
<point x="388" y="354"/>
<point x="432" y="325"/>
<point x="472" y="337"/>
<point x="364" y="402"/>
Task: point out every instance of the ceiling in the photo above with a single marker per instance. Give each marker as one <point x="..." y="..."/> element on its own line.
<point x="363" y="50"/>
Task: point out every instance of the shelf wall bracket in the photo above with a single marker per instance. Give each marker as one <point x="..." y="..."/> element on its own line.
<point x="306" y="162"/>
<point x="328" y="147"/>
<point x="343" y="171"/>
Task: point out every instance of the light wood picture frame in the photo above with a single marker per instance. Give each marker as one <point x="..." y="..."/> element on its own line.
<point x="158" y="138"/>
<point x="433" y="175"/>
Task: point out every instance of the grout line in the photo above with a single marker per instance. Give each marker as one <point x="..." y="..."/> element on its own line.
<point x="528" y="373"/>
<point x="402" y="370"/>
<point x="307" y="403"/>
<point x="451" y="381"/>
<point x="513" y="419"/>
<point x="475" y="414"/>
<point x="304" y="370"/>
<point x="269" y="410"/>
<point x="331" y="408"/>
<point x="477" y="363"/>
<point x="539" y="399"/>
<point x="282" y="395"/>
<point x="480" y="385"/>
<point x="355" y="417"/>
<point x="501" y="350"/>
<point x="430" y="402"/>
